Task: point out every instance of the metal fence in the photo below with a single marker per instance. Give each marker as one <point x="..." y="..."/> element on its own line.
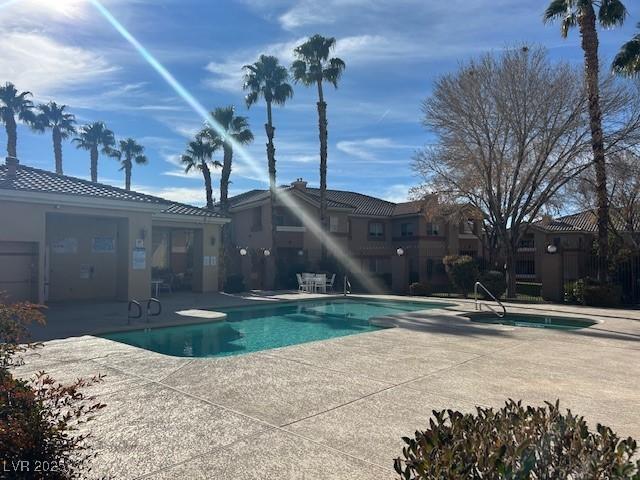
<point x="625" y="274"/>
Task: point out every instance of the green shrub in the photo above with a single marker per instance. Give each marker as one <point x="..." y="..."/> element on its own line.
<point x="529" y="289"/>
<point x="462" y="271"/>
<point x="495" y="282"/>
<point x="598" y="294"/>
<point x="419" y="289"/>
<point x="39" y="418"/>
<point x="234" y="284"/>
<point x="516" y="442"/>
<point x="574" y="292"/>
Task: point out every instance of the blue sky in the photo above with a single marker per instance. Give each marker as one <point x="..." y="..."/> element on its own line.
<point x="64" y="50"/>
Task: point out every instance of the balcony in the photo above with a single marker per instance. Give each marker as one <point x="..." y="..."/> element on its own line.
<point x="291" y="228"/>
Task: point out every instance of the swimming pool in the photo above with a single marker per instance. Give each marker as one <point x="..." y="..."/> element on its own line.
<point x="534" y="321"/>
<point x="251" y="329"/>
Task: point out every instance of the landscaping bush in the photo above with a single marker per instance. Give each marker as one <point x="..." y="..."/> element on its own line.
<point x="462" y="271"/>
<point x="39" y="418"/>
<point x="516" y="442"/>
<point x="574" y="292"/>
<point x="529" y="289"/>
<point x="234" y="284"/>
<point x="419" y="289"/>
<point x="598" y="294"/>
<point x="495" y="282"/>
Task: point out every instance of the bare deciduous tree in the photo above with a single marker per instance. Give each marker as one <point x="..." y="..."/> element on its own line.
<point x="512" y="130"/>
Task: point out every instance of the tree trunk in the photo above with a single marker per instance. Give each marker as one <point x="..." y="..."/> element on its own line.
<point x="589" y="37"/>
<point x="322" y="124"/>
<point x="271" y="158"/>
<point x="94" y="164"/>
<point x="225" y="247"/>
<point x="12" y="135"/>
<point x="127" y="177"/>
<point x="57" y="149"/>
<point x="226" y="174"/>
<point x="510" y="272"/>
<point x="206" y="173"/>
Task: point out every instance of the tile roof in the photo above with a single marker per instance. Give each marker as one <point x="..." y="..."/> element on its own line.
<point x="586" y="221"/>
<point x="29" y="179"/>
<point x="359" y="203"/>
<point x="408" y="208"/>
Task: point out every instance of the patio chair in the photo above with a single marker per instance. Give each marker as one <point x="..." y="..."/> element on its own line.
<point x="302" y="286"/>
<point x="329" y="284"/>
<point x="320" y="282"/>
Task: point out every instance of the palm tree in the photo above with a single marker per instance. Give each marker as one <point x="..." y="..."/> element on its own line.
<point x="12" y="105"/>
<point x="627" y="61"/>
<point x="582" y="13"/>
<point x="235" y="131"/>
<point x="95" y="137"/>
<point x="129" y="152"/>
<point x="266" y="78"/>
<point x="312" y="67"/>
<point x="198" y="155"/>
<point x="62" y="125"/>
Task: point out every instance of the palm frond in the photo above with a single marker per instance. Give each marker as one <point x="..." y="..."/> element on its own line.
<point x="556" y="10"/>
<point x="627" y="61"/>
<point x="612" y="13"/>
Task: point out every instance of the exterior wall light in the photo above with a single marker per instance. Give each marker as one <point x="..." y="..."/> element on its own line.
<point x="300" y="253"/>
<point x="400" y="252"/>
<point x="267" y="252"/>
<point x="243" y="252"/>
<point x="552" y="249"/>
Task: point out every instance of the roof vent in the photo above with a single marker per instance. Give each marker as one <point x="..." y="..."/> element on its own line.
<point x="299" y="184"/>
<point x="12" y="166"/>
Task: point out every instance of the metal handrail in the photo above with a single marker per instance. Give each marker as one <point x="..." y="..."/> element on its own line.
<point x="133" y="303"/>
<point x="150" y="313"/>
<point x="347" y="286"/>
<point x="479" y="304"/>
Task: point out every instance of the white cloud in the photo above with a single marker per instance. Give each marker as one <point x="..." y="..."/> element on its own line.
<point x="194" y="196"/>
<point x="46" y="67"/>
<point x="397" y="193"/>
<point x="370" y="149"/>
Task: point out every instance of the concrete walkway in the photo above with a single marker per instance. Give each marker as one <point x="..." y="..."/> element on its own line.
<point x="336" y="409"/>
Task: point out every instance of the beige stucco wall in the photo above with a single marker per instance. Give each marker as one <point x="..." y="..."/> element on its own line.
<point x="111" y="275"/>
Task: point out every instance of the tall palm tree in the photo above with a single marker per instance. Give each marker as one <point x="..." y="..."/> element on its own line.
<point x="236" y="130"/>
<point x="268" y="79"/>
<point x="313" y="67"/>
<point x="95" y="137"/>
<point x="14" y="104"/>
<point x="129" y="152"/>
<point x="627" y="61"/>
<point x="198" y="155"/>
<point x="62" y="125"/>
<point x="582" y="13"/>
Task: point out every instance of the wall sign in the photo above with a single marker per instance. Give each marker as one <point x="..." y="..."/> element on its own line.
<point x="139" y="261"/>
<point x="65" y="246"/>
<point x="103" y="245"/>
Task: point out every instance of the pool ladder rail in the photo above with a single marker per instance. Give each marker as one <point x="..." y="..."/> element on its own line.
<point x="480" y="304"/>
<point x="347" y="286"/>
<point x="134" y="310"/>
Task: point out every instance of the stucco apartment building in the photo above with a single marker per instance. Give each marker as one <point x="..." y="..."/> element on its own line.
<point x="370" y="229"/>
<point x="64" y="238"/>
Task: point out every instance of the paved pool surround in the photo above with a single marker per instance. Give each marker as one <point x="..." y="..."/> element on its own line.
<point x="332" y="409"/>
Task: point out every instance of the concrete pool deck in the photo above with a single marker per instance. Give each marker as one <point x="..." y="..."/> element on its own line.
<point x="336" y="408"/>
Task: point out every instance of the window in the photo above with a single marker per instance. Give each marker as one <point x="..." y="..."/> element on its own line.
<point x="469" y="226"/>
<point x="376" y="230"/>
<point x="433" y="229"/>
<point x="406" y="229"/>
<point x="256" y="224"/>
<point x="527" y="242"/>
<point x="333" y="224"/>
<point x="526" y="266"/>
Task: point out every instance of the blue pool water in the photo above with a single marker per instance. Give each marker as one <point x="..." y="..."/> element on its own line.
<point x="260" y="328"/>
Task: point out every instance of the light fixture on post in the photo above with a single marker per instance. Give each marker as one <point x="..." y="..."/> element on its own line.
<point x="552" y="249"/>
<point x="267" y="252"/>
<point x="243" y="252"/>
<point x="400" y="252"/>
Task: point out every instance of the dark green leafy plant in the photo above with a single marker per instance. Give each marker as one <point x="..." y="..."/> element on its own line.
<point x="39" y="418"/>
<point x="419" y="289"/>
<point x="462" y="271"/>
<point x="234" y="284"/>
<point x="495" y="282"/>
<point x="516" y="442"/>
